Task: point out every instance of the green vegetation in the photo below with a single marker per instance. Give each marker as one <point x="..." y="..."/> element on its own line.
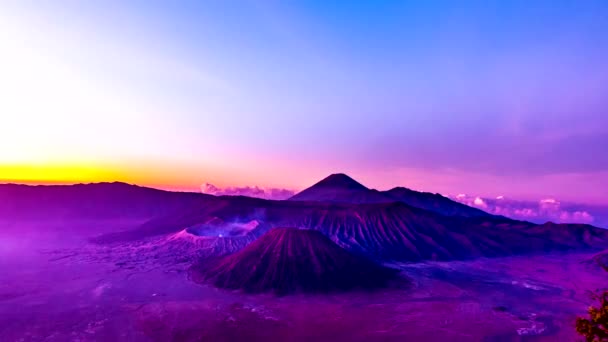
<point x="595" y="328"/>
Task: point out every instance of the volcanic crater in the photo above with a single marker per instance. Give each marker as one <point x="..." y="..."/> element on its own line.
<point x="218" y="228"/>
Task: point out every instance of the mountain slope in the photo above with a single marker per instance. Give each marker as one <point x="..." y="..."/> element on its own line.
<point x="396" y="231"/>
<point x="94" y="201"/>
<point x="433" y="202"/>
<point x="393" y="231"/>
<point x="287" y="260"/>
<point x="384" y="231"/>
<point x="340" y="188"/>
<point x="600" y="259"/>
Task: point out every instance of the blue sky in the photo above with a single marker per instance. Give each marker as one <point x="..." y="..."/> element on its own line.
<point x="493" y="97"/>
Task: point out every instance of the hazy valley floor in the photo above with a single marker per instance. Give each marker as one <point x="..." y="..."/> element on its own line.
<point x="63" y="289"/>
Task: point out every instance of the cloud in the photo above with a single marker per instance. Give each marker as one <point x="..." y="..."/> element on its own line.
<point x="546" y="209"/>
<point x="577" y="216"/>
<point x="478" y="202"/>
<point x="549" y="204"/>
<point x="249" y="191"/>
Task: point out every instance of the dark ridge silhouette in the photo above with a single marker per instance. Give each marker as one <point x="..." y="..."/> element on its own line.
<point x="95" y="201"/>
<point x="340" y="188"/>
<point x="433" y="202"/>
<point x="188" y="215"/>
<point x="289" y="260"/>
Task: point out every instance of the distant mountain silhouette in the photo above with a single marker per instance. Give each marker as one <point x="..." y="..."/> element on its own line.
<point x="93" y="201"/>
<point x="341" y="181"/>
<point x="382" y="231"/>
<point x="433" y="202"/>
<point x="287" y="260"/>
<point x="340" y="188"/>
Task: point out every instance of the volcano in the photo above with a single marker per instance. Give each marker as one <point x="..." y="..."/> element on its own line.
<point x="398" y="232"/>
<point x="289" y="260"/>
<point x="386" y="232"/>
<point x="340" y="188"/>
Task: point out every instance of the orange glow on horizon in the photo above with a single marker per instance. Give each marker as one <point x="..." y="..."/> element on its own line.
<point x="42" y="174"/>
<point x="54" y="173"/>
<point x="162" y="175"/>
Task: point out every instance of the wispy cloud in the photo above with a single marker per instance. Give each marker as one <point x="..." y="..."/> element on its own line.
<point x="546" y="209"/>
<point x="250" y="191"/>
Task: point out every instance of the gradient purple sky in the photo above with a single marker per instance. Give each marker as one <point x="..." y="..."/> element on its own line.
<point x="484" y="97"/>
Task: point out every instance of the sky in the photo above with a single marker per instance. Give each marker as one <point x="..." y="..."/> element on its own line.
<point x="493" y="98"/>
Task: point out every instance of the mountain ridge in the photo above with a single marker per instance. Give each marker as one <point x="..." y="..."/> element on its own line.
<point x="386" y="231"/>
<point x="340" y="187"/>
